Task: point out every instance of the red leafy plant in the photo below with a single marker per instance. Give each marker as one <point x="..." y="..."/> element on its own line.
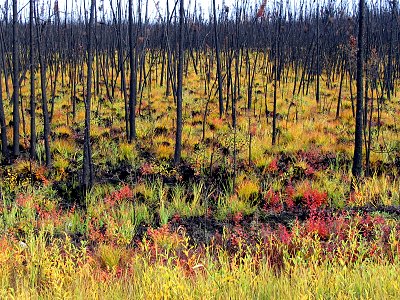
<point x="124" y="193"/>
<point x="146" y="169"/>
<point x="318" y="224"/>
<point x="272" y="201"/>
<point x="290" y="193"/>
<point x="314" y="199"/>
<point x="24" y="200"/>
<point x="273" y="165"/>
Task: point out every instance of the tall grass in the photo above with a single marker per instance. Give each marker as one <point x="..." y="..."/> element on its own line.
<point x="46" y="269"/>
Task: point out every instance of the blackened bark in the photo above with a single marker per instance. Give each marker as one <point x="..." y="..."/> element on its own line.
<point x="132" y="79"/>
<point x="3" y="127"/>
<point x="87" y="180"/>
<point x="178" y="136"/>
<point x="358" y="138"/>
<point x="217" y="53"/>
<point x="339" y="103"/>
<point x="317" y="95"/>
<point x="16" y="118"/>
<point x="276" y="75"/>
<point x="46" y="119"/>
<point x="389" y="72"/>
<point x="122" y="70"/>
<point x="32" y="84"/>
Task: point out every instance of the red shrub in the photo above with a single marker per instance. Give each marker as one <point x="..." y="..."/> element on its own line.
<point x="284" y="235"/>
<point x="315" y="199"/>
<point x="123" y="194"/>
<point x="318" y="225"/>
<point x="290" y="196"/>
<point x="309" y="171"/>
<point x="237" y="217"/>
<point x="146" y="169"/>
<point x="273" y="165"/>
<point x="272" y="201"/>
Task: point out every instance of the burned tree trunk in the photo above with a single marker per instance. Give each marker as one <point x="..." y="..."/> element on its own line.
<point x="15" y="49"/>
<point x="46" y="120"/>
<point x="389" y="71"/>
<point x="358" y="137"/>
<point x="87" y="178"/>
<point x="178" y="135"/>
<point x="32" y="84"/>
<point x="217" y="53"/>
<point x="132" y="80"/>
<point x="3" y="127"/>
<point x="317" y="92"/>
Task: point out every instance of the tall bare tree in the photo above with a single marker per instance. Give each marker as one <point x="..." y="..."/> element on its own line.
<point x="3" y="127"/>
<point x="133" y="77"/>
<point x="43" y="85"/>
<point x="15" y="49"/>
<point x="276" y="73"/>
<point x="358" y="138"/>
<point x="392" y="35"/>
<point x="217" y="54"/>
<point x="178" y="135"/>
<point x="317" y="92"/>
<point x="87" y="178"/>
<point x="32" y="83"/>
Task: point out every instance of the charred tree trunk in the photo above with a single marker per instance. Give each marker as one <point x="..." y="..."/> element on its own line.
<point x="15" y="49"/>
<point x="217" y="54"/>
<point x="317" y="93"/>
<point x="276" y="75"/>
<point x="87" y="180"/>
<point x="339" y="103"/>
<point x="3" y="127"/>
<point x="122" y="70"/>
<point x="389" y="72"/>
<point x="178" y="136"/>
<point x="46" y="119"/>
<point x="358" y="138"/>
<point x="132" y="79"/>
<point x="32" y="83"/>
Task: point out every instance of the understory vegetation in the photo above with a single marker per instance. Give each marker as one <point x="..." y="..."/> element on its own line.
<point x="236" y="217"/>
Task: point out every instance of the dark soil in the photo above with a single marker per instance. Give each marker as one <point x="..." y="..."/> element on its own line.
<point x="201" y="230"/>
